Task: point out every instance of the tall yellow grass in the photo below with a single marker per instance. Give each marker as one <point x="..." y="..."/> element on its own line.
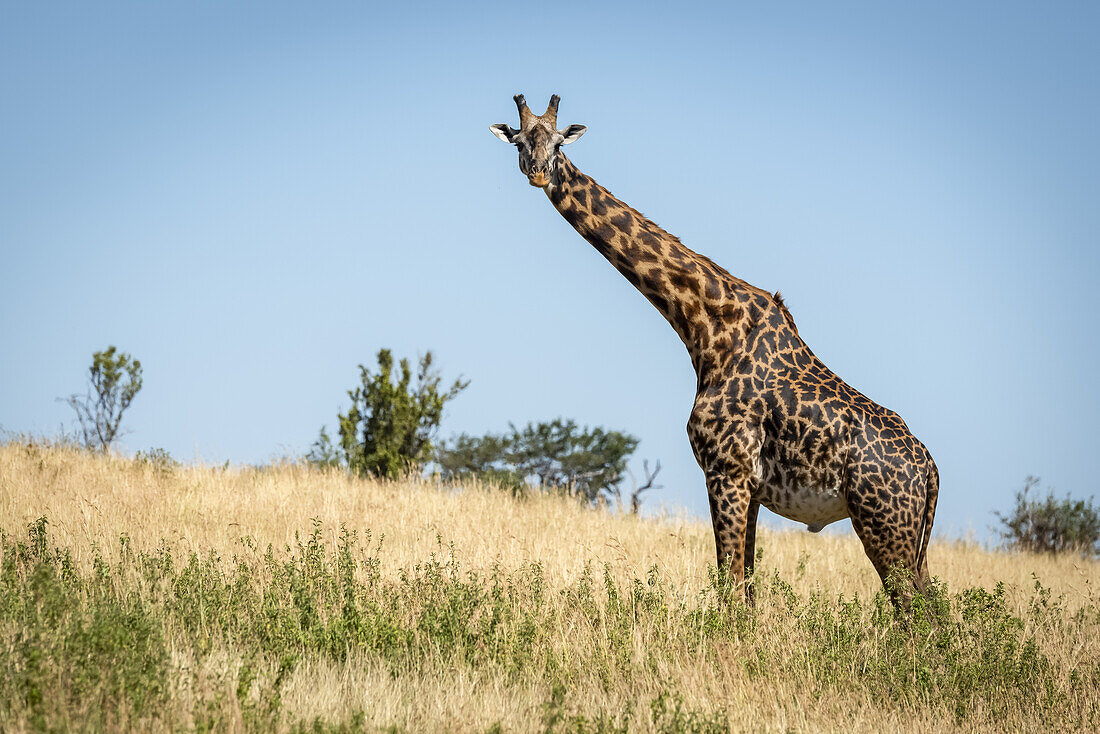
<point x="90" y="501"/>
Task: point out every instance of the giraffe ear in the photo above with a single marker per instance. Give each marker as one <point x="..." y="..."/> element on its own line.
<point x="571" y="133"/>
<point x="504" y="132"/>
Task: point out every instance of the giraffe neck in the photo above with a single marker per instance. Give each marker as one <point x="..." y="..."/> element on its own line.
<point x="685" y="286"/>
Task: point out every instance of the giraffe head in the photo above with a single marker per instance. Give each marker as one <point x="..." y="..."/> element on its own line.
<point x="538" y="140"/>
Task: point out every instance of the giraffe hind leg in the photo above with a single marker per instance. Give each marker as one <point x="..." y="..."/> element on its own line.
<point x="750" y="549"/>
<point x="888" y="521"/>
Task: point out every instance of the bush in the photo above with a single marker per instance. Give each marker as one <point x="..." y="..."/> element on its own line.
<point x="1051" y="525"/>
<point x="158" y="459"/>
<point x="389" y="428"/>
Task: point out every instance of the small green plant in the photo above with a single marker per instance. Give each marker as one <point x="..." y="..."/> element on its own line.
<point x="79" y="645"/>
<point x="115" y="379"/>
<point x="325" y="454"/>
<point x="389" y="428"/>
<point x="158" y="459"/>
<point x="1051" y="525"/>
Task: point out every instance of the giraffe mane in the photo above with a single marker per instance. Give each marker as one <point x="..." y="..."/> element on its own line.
<point x="777" y="297"/>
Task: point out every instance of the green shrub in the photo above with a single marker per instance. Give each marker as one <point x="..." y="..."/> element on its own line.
<point x="1051" y="525"/>
<point x="78" y="645"/>
<point x="158" y="459"/>
<point x="389" y="428"/>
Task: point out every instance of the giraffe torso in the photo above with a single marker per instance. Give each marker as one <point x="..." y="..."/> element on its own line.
<point x="815" y="432"/>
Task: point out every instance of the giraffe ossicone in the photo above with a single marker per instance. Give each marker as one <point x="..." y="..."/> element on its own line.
<point x="771" y="424"/>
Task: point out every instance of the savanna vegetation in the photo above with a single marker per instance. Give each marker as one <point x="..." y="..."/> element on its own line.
<point x="141" y="594"/>
<point x="1048" y="524"/>
<point x="390" y="432"/>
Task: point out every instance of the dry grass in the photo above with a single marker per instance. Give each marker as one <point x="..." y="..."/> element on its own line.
<point x="91" y="501"/>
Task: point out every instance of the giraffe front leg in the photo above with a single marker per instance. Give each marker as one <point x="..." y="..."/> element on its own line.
<point x="731" y="508"/>
<point x="727" y="448"/>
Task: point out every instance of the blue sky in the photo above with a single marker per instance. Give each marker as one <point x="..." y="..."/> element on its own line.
<point x="254" y="198"/>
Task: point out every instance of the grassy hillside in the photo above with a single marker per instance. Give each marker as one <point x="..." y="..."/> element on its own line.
<point x="167" y="598"/>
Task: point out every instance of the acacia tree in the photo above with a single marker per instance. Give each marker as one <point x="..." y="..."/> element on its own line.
<point x="114" y="379"/>
<point x="388" y="430"/>
<point x="586" y="462"/>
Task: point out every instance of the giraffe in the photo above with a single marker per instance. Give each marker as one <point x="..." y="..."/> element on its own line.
<point x="771" y="424"/>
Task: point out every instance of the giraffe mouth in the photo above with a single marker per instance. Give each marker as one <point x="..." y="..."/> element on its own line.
<point x="539" y="179"/>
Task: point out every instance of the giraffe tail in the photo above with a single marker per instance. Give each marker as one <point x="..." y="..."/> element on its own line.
<point x="932" y="493"/>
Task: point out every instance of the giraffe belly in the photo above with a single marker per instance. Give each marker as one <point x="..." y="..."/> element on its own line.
<point x="816" y="505"/>
<point x="800" y="489"/>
